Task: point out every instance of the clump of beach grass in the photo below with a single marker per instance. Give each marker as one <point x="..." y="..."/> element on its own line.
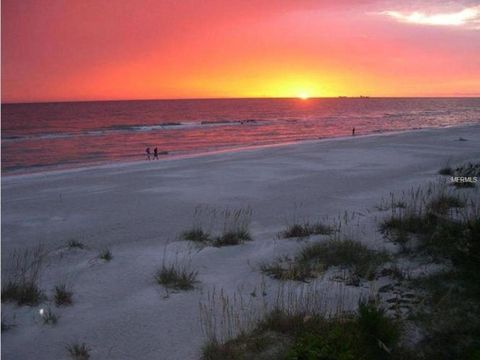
<point x="446" y="170"/>
<point x="48" y="316"/>
<point x="176" y="277"/>
<point x="204" y="219"/>
<point x="225" y="228"/>
<point x="290" y="269"/>
<point x="197" y="235"/>
<point x="78" y="351"/>
<point x="63" y="296"/>
<point x="441" y="222"/>
<point x="232" y="237"/>
<point x="176" y="274"/>
<point x="314" y="259"/>
<point x="22" y="277"/>
<point x="432" y="216"/>
<point x="345" y="253"/>
<point x="176" y="271"/>
<point x="302" y="230"/>
<point x="105" y="254"/>
<point x="392" y="203"/>
<point x="443" y="203"/>
<point x="236" y="227"/>
<point x="24" y="293"/>
<point x="75" y="244"/>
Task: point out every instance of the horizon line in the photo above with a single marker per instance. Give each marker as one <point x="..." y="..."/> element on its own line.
<point x="243" y="98"/>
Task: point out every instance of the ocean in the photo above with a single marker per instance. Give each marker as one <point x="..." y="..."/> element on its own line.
<point x="46" y="136"/>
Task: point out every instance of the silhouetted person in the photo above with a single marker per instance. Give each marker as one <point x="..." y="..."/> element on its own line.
<point x="155" y="153"/>
<point x="147" y="152"/>
<point x="353" y="132"/>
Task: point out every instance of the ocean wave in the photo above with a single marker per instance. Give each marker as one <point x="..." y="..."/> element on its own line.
<point x="45" y="136"/>
<point x="419" y="113"/>
<point x="128" y="128"/>
<point x="142" y="127"/>
<point x="228" y="122"/>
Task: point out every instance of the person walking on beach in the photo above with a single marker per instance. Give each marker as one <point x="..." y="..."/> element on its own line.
<point x="353" y="132"/>
<point x="147" y="152"/>
<point x="155" y="153"/>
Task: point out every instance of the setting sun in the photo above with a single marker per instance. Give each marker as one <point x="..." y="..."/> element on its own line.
<point x="303" y="96"/>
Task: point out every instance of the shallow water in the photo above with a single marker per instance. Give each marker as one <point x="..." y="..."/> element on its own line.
<point x="57" y="135"/>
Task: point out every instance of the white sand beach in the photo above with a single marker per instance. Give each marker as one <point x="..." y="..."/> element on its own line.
<point x="136" y="209"/>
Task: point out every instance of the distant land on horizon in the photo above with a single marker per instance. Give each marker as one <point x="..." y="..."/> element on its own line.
<point x="245" y="98"/>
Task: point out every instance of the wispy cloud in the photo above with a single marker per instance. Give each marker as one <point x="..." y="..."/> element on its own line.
<point x="468" y="17"/>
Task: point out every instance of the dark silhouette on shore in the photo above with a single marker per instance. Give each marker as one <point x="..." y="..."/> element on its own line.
<point x="155" y="153"/>
<point x="147" y="153"/>
<point x="353" y="132"/>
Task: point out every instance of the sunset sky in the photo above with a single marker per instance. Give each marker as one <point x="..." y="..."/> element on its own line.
<point x="150" y="49"/>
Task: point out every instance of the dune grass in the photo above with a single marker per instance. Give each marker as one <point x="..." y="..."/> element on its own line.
<point x="21" y="279"/>
<point x="176" y="277"/>
<point x="446" y="170"/>
<point x="75" y="244"/>
<point x="434" y="225"/>
<point x="78" y="351"/>
<point x="232" y="237"/>
<point x="400" y="228"/>
<point x="345" y="253"/>
<point x="48" y="316"/>
<point x="197" y="235"/>
<point x="302" y="230"/>
<point x="449" y="315"/>
<point x="368" y="334"/>
<point x="288" y="269"/>
<point x="443" y="203"/>
<point x="447" y="229"/>
<point x="105" y="255"/>
<point x="63" y="296"/>
<point x="314" y="259"/>
<point x="224" y="228"/>
<point x="25" y="293"/>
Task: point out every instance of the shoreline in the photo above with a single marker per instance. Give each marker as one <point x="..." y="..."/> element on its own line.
<point x="52" y="170"/>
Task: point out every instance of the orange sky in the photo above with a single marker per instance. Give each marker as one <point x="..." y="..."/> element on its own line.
<point x="140" y="49"/>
